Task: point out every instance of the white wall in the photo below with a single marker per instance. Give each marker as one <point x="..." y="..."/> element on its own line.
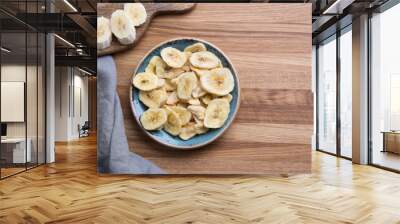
<point x="16" y="73"/>
<point x="34" y="126"/>
<point x="69" y="82"/>
<point x="61" y="104"/>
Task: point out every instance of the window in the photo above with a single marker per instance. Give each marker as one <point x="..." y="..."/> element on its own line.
<point x="346" y="92"/>
<point x="385" y="89"/>
<point x="22" y="78"/>
<point x="326" y="95"/>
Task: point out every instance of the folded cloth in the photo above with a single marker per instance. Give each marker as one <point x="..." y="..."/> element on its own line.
<point x="113" y="155"/>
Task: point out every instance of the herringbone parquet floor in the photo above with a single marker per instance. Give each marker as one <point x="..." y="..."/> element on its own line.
<point x="70" y="191"/>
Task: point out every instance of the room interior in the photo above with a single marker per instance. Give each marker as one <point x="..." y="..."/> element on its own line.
<point x="31" y="93"/>
<point x="334" y="75"/>
<point x="355" y="146"/>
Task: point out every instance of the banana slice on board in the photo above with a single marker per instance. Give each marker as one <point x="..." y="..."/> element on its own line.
<point x="104" y="35"/>
<point x="188" y="131"/>
<point x="187" y="82"/>
<point x="195" y="48"/>
<point x="216" y="113"/>
<point x="146" y="81"/>
<point x="153" y="118"/>
<point x="154" y="98"/>
<point x="219" y="81"/>
<point x="204" y="59"/>
<point x="173" y="57"/>
<point x="173" y="124"/>
<point x="156" y="66"/>
<point x="184" y="115"/>
<point x="136" y="13"/>
<point x="122" y="27"/>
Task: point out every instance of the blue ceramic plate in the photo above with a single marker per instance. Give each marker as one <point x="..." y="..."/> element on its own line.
<point x="174" y="141"/>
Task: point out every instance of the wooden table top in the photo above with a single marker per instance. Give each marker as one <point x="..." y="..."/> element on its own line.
<point x="270" y="46"/>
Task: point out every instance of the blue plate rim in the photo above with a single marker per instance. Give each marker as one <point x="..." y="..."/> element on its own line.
<point x="134" y="112"/>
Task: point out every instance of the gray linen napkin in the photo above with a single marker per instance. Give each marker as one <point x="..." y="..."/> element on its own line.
<point x="113" y="155"/>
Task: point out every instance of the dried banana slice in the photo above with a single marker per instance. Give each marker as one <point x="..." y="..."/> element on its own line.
<point x="188" y="131"/>
<point x="169" y="86"/>
<point x="186" y="83"/>
<point x="182" y="104"/>
<point x="173" y="73"/>
<point x="161" y="83"/>
<point x="194" y="102"/>
<point x="154" y="98"/>
<point x="199" y="72"/>
<point x="198" y="111"/>
<point x="219" y="81"/>
<point x="198" y="92"/>
<point x="173" y="124"/>
<point x="172" y="98"/>
<point x="206" y="98"/>
<point x="186" y="68"/>
<point x="216" y="113"/>
<point x="156" y="66"/>
<point x="199" y="127"/>
<point x="175" y="81"/>
<point x="195" y="48"/>
<point x="228" y="97"/>
<point x="183" y="114"/>
<point x="153" y="118"/>
<point x="173" y="57"/>
<point x="145" y="81"/>
<point x="204" y="59"/>
<point x="136" y="13"/>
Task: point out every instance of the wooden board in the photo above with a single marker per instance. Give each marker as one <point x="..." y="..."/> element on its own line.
<point x="152" y="9"/>
<point x="270" y="46"/>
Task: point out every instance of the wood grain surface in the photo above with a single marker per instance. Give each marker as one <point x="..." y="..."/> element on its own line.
<point x="152" y="9"/>
<point x="270" y="46"/>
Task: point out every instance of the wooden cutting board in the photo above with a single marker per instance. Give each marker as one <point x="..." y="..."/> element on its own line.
<point x="152" y="9"/>
<point x="270" y="47"/>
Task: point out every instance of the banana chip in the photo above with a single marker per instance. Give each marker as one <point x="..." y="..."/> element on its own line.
<point x="188" y="131"/>
<point x="156" y="66"/>
<point x="195" y="48"/>
<point x="153" y="118"/>
<point x="154" y="98"/>
<point x="187" y="93"/>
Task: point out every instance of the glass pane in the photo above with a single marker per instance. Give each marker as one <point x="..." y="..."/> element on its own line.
<point x="32" y="98"/>
<point x="346" y="93"/>
<point x="385" y="92"/>
<point x="13" y="87"/>
<point x="327" y="96"/>
<point x="41" y="98"/>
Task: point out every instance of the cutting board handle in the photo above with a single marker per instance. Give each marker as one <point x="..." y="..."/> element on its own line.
<point x="174" y="7"/>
